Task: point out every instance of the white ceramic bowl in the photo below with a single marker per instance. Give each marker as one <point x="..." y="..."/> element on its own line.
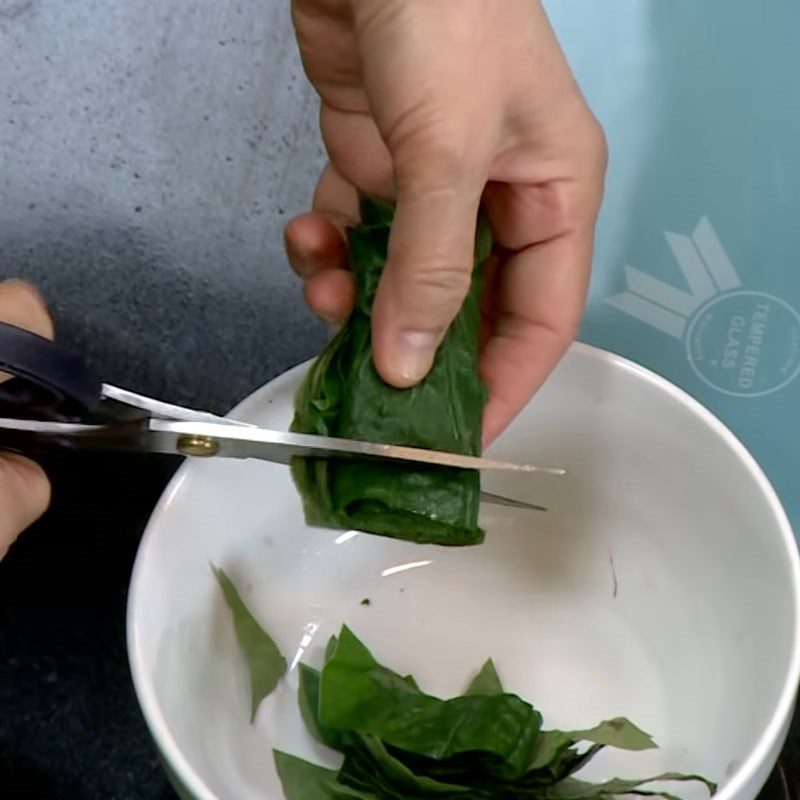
<point x="662" y="585"/>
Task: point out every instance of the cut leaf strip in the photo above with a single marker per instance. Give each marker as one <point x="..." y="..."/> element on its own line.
<point x="265" y="663"/>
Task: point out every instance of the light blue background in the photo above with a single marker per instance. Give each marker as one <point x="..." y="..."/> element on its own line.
<point x="701" y="106"/>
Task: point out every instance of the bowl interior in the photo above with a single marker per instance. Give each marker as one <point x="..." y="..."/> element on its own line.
<point x="660" y="585"/>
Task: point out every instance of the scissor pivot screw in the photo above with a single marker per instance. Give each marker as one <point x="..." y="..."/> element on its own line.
<point x="202" y="446"/>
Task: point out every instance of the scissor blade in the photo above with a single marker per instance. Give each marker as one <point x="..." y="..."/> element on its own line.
<point x="193" y="438"/>
<point x="280" y="447"/>
<point x="499" y="500"/>
<point x="229" y="441"/>
<point x="158" y="409"/>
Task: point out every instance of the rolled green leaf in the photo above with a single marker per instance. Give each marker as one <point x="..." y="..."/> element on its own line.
<point x="343" y="396"/>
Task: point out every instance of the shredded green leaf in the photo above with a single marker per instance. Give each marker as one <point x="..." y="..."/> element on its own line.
<point x="264" y="661"/>
<point x="402" y="744"/>
<point x="621" y="733"/>
<point x="302" y="780"/>
<point x="357" y="693"/>
<point x="487" y="681"/>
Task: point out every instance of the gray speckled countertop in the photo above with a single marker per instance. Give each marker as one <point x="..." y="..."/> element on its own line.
<point x="150" y="153"/>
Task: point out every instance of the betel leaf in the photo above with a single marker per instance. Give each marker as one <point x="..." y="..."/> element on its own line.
<point x="342" y="395"/>
<point x="487" y="681"/>
<point x="265" y="663"/>
<point x="618" y="732"/>
<point x="308" y="700"/>
<point x="402" y="744"/>
<point x="302" y="780"/>
<point x="357" y="693"/>
<point x="574" y="789"/>
<point x="370" y="757"/>
<point x="549" y="746"/>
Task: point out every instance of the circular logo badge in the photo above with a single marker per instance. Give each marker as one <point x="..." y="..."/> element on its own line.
<point x="745" y="344"/>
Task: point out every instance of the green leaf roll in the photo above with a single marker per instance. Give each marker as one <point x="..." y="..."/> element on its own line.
<point x="343" y="396"/>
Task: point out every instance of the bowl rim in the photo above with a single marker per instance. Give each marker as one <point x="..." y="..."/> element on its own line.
<point x="748" y="769"/>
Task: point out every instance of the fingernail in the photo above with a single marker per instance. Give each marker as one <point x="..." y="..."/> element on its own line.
<point x="414" y="354"/>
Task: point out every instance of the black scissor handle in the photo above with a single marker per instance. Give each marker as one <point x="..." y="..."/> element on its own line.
<point x="53" y="378"/>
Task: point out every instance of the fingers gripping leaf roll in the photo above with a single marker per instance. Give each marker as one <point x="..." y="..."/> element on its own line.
<point x="343" y="396"/>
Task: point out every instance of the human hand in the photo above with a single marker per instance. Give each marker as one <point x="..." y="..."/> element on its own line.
<point x="441" y="105"/>
<point x="24" y="488"/>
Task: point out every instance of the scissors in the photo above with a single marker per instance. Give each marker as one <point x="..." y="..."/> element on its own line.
<point x="55" y="400"/>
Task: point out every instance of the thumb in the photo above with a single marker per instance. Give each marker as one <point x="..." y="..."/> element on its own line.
<point x="429" y="265"/>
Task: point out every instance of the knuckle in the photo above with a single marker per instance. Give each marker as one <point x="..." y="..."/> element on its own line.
<point x="439" y="287"/>
<point x="574" y="202"/>
<point x="568" y="207"/>
<point x="559" y="333"/>
<point x="589" y="149"/>
<point x="430" y="152"/>
<point x="445" y="277"/>
<point x="597" y="145"/>
<point x="432" y="165"/>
